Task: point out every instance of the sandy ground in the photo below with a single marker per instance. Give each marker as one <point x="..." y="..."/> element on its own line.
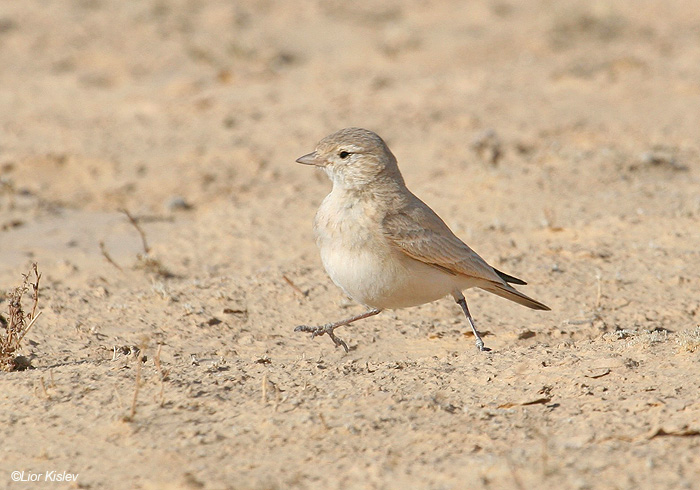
<point x="559" y="139"/>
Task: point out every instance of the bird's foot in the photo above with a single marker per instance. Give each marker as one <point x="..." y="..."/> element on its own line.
<point x="480" y="345"/>
<point x="324" y="329"/>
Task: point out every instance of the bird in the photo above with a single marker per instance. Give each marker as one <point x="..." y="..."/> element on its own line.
<point x="382" y="245"/>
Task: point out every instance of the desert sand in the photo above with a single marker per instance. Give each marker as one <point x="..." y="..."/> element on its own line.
<point x="560" y="140"/>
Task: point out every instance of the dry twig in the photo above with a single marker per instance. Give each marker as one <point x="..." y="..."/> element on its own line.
<point x="294" y="286"/>
<point x="18" y="322"/>
<point x="146" y="248"/>
<point x="106" y="255"/>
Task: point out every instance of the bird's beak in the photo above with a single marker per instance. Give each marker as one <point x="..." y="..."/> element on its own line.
<point x="311" y="159"/>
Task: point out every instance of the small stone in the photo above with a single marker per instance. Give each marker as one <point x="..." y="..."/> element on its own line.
<point x="177" y="203"/>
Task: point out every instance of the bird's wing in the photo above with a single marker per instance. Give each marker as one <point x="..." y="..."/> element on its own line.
<point x="422" y="235"/>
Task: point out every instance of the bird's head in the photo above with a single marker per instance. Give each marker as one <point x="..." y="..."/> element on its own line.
<point x="354" y="158"/>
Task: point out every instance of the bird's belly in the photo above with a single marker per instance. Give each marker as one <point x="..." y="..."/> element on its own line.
<point x="389" y="279"/>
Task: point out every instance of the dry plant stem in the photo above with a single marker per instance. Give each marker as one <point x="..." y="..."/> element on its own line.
<point x="29" y="325"/>
<point x="35" y="288"/>
<point x="108" y="257"/>
<point x="132" y="412"/>
<point x="323" y="421"/>
<point x="43" y="388"/>
<point x="19" y="323"/>
<point x="264" y="389"/>
<point x="293" y="286"/>
<point x="329" y="327"/>
<point x="135" y="223"/>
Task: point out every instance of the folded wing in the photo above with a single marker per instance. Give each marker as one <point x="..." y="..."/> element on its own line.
<point x="420" y="233"/>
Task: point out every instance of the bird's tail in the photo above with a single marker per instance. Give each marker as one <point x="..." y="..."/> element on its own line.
<point x="510" y="279"/>
<point x="509" y="292"/>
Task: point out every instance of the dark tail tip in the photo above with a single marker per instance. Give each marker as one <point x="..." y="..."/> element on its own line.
<point x="510" y="279"/>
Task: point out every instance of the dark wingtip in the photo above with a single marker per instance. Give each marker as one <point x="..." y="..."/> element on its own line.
<point x="510" y="279"/>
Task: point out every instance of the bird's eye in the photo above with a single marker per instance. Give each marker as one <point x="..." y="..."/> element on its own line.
<point x="344" y="154"/>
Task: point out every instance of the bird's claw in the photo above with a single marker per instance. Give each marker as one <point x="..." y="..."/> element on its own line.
<point x="324" y="329"/>
<point x="480" y="345"/>
<point x="314" y="331"/>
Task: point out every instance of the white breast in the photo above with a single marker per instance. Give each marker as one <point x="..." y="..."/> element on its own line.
<point x="372" y="271"/>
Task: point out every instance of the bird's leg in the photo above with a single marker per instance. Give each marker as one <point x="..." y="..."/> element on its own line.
<point x="329" y="327"/>
<point x="459" y="298"/>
